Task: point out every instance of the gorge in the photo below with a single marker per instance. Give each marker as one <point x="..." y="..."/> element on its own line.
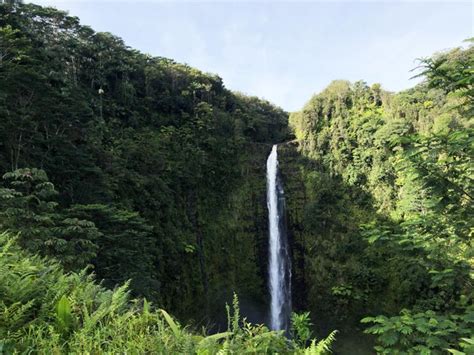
<point x="133" y="186"/>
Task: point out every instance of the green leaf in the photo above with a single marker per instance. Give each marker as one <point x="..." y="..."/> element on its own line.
<point x="215" y="337"/>
<point x="174" y="327"/>
<point x="456" y="352"/>
<point x="64" y="316"/>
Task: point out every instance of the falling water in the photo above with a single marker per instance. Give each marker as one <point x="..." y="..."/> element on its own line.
<point x="279" y="264"/>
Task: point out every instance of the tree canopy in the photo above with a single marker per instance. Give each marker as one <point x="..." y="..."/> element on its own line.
<point x="148" y="176"/>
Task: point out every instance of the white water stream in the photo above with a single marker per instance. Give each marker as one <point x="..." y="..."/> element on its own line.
<point x="279" y="268"/>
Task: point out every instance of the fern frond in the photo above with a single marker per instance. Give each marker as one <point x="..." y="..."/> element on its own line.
<point x="323" y="346"/>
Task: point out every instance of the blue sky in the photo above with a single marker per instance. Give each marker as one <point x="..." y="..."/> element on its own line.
<point x="285" y="51"/>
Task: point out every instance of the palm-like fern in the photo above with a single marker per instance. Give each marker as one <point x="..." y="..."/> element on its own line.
<point x="45" y="309"/>
<point x="321" y="347"/>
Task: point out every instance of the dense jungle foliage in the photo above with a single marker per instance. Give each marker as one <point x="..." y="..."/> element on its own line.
<point x="134" y="170"/>
<point x="380" y="194"/>
<point x="137" y="165"/>
<point x="44" y="310"/>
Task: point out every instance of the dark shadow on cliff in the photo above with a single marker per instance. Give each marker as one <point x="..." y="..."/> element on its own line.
<point x="336" y="276"/>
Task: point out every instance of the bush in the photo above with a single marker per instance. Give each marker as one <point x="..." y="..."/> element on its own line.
<point x="44" y="309"/>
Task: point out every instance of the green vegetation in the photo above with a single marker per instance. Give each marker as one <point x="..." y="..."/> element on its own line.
<point x="149" y="177"/>
<point x="383" y="225"/>
<point x="43" y="310"/>
<point x="137" y="165"/>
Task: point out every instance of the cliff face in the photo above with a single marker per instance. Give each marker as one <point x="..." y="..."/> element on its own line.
<point x="327" y="251"/>
<point x="292" y="170"/>
<point x="237" y="242"/>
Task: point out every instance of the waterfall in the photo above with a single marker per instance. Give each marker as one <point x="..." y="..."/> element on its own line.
<point x="279" y="268"/>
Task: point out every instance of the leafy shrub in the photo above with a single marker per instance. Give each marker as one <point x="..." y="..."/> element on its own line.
<point x="43" y="309"/>
<point x="421" y="333"/>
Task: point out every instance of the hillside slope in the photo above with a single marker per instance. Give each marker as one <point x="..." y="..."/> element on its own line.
<point x="147" y="169"/>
